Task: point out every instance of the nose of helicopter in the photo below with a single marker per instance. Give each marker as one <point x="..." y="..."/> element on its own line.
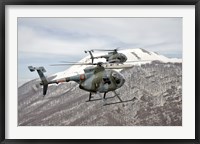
<point x="122" y="80"/>
<point x="119" y="79"/>
<point x="124" y="57"/>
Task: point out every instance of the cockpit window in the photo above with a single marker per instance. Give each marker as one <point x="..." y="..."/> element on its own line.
<point x="116" y="77"/>
<point x="114" y="74"/>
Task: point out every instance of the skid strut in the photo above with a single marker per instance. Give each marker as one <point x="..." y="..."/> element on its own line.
<point x="90" y="96"/>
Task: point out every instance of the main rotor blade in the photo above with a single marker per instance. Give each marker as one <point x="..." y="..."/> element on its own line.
<point x="116" y="49"/>
<point x="71" y="64"/>
<point x="118" y="66"/>
<point x="67" y="62"/>
<point x="138" y="61"/>
<point x="99" y="63"/>
<point x="101" y="50"/>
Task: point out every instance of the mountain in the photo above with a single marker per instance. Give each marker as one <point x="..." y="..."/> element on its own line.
<point x="156" y="85"/>
<point x="138" y="55"/>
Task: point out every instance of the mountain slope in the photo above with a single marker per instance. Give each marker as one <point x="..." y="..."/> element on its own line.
<point x="157" y="87"/>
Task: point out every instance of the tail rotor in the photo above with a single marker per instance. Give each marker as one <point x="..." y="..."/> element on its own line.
<point x="91" y="55"/>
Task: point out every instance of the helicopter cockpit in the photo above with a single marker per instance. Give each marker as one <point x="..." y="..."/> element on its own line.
<point x="122" y="57"/>
<point x="118" y="78"/>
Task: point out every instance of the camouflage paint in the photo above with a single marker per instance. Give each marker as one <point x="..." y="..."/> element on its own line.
<point x="95" y="79"/>
<point x="114" y="57"/>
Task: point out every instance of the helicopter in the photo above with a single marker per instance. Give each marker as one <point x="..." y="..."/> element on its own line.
<point x="95" y="79"/>
<point x="111" y="57"/>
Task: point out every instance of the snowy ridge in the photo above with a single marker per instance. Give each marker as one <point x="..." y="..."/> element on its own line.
<point x="136" y="54"/>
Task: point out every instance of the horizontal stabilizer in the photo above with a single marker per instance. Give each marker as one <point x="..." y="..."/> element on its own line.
<point x="32" y="69"/>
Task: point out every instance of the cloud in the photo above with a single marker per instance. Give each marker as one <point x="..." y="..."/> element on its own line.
<point x="58" y="35"/>
<point x="48" y="40"/>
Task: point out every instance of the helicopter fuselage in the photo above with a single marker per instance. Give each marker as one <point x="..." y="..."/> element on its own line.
<point x="113" y="57"/>
<point x="95" y="79"/>
<point x="118" y="57"/>
<point x="98" y="80"/>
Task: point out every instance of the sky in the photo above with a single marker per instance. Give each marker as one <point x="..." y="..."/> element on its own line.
<point x="45" y="41"/>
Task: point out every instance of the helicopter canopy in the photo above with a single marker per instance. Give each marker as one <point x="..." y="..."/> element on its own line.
<point x="117" y="77"/>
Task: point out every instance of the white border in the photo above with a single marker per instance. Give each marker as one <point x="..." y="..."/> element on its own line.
<point x="186" y="131"/>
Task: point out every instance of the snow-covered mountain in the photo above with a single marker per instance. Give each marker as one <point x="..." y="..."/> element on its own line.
<point x="157" y="88"/>
<point x="138" y="55"/>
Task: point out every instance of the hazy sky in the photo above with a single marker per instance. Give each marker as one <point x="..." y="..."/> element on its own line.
<point x="44" y="41"/>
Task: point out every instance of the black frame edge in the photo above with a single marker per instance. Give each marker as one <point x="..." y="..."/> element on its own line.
<point x="102" y="2"/>
<point x="2" y="73"/>
<point x="102" y="141"/>
<point x="197" y="53"/>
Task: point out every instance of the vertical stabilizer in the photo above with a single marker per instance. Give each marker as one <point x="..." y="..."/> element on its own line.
<point x="40" y="71"/>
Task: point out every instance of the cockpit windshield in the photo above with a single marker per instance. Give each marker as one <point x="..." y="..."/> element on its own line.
<point x="116" y="77"/>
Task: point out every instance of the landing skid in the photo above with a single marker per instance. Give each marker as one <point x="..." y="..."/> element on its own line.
<point x="104" y="99"/>
<point x="131" y="100"/>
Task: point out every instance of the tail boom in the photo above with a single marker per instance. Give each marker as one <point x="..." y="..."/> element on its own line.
<point x="44" y="81"/>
